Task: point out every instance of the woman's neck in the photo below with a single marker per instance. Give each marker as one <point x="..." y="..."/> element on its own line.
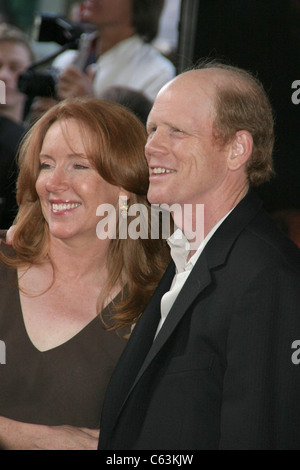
<point x="76" y="262"/>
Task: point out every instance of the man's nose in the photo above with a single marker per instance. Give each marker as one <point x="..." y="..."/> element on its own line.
<point x="156" y="142"/>
<point x="7" y="74"/>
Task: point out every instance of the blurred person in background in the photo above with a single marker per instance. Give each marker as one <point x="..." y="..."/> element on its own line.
<point x="132" y="99"/>
<point x="121" y="53"/>
<point x="15" y="56"/>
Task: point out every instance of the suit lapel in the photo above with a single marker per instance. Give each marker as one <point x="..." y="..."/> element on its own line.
<point x="197" y="281"/>
<point x="135" y="352"/>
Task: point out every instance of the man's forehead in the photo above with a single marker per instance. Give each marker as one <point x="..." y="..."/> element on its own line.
<point x="187" y="91"/>
<point x="189" y="85"/>
<point x="200" y="77"/>
<point x="15" y="48"/>
<point x="208" y="79"/>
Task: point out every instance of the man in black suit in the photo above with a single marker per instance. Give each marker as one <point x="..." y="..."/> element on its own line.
<point x="213" y="362"/>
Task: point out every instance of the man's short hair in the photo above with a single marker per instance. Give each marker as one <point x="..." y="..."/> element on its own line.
<point x="146" y="16"/>
<point x="10" y="33"/>
<point x="241" y="103"/>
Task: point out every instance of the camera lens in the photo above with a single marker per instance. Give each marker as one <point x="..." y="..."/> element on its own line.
<point x="38" y="83"/>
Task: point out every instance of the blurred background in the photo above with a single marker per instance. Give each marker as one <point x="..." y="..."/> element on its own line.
<point x="22" y="12"/>
<point x="259" y="35"/>
<point x="262" y="36"/>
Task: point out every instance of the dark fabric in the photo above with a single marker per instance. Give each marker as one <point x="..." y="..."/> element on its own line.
<point x="59" y="386"/>
<point x="10" y="136"/>
<point x="220" y="373"/>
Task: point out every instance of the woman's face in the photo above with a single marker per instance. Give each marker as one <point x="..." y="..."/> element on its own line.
<point x="69" y="188"/>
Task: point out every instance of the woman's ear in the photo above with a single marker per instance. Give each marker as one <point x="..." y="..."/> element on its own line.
<point x="240" y="150"/>
<point x="123" y="194"/>
<point x="124" y="197"/>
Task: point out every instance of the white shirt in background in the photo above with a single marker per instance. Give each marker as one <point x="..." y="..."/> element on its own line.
<point x="130" y="63"/>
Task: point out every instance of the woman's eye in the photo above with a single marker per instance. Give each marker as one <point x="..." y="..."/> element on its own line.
<point x="45" y="166"/>
<point x="77" y="166"/>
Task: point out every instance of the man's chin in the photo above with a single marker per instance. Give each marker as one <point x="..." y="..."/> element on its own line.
<point x="156" y="197"/>
<point x="156" y="201"/>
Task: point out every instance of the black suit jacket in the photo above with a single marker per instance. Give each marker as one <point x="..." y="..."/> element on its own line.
<point x="221" y="373"/>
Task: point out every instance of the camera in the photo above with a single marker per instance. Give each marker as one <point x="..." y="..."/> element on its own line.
<point x="49" y="27"/>
<point x="42" y="83"/>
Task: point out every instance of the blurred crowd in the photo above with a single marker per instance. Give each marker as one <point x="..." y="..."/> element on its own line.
<point x="113" y="59"/>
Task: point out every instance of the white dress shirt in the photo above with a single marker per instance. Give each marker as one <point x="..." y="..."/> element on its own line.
<point x="179" y="252"/>
<point x="130" y="63"/>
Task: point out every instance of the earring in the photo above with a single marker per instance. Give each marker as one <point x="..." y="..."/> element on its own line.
<point x="123" y="207"/>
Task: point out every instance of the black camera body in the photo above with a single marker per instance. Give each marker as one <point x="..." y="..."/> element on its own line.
<point x="43" y="83"/>
<point x="49" y="28"/>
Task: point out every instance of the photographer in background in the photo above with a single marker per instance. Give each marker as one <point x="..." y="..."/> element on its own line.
<point x="122" y="54"/>
<point x="15" y="56"/>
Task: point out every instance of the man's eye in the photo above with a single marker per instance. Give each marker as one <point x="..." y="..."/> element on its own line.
<point x="16" y="68"/>
<point x="151" y="130"/>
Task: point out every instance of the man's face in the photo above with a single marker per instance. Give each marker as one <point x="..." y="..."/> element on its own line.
<point x="14" y="59"/>
<point x="103" y="13"/>
<point x="185" y="164"/>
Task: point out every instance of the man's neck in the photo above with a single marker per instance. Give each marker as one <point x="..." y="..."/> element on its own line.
<point x="213" y="214"/>
<point x="109" y="37"/>
<point x="200" y="219"/>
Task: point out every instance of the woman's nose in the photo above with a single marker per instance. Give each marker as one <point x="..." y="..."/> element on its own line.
<point x="57" y="181"/>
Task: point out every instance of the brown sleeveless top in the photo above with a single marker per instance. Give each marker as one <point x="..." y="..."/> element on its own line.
<point x="64" y="385"/>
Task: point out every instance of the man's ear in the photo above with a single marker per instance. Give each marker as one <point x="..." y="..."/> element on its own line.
<point x="240" y="150"/>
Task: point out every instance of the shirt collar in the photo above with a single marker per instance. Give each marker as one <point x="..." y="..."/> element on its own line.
<point x="178" y="244"/>
<point x="180" y="247"/>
